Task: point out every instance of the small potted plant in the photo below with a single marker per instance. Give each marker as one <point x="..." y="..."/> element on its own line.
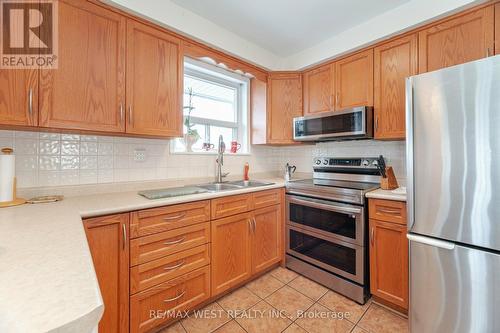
<point x="191" y="136"/>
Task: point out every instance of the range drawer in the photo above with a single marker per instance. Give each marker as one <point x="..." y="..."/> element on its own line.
<point x="152" y="307"/>
<point x="162" y="244"/>
<point x="231" y="205"/>
<point x="157" y="271"/>
<point x="150" y="221"/>
<point x="266" y="198"/>
<point x="387" y="210"/>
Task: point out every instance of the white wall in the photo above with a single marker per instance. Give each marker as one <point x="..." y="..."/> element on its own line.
<point x="404" y="17"/>
<point x="177" y="18"/>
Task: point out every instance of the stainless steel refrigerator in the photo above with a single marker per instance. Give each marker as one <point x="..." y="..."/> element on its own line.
<point x="453" y="156"/>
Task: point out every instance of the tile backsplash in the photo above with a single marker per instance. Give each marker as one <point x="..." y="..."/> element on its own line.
<point x="56" y="159"/>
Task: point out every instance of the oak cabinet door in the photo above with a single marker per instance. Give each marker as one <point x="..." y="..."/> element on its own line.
<point x="389" y="262"/>
<point x="462" y="39"/>
<point x="266" y="243"/>
<point x="319" y="90"/>
<point x="19" y="97"/>
<point x="108" y="242"/>
<point x="231" y="252"/>
<point x="87" y="90"/>
<point x="393" y="63"/>
<point x="284" y="103"/>
<point x="354" y="81"/>
<point x="258" y="107"/>
<point x="154" y="81"/>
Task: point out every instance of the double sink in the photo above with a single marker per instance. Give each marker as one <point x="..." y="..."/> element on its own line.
<point x="234" y="185"/>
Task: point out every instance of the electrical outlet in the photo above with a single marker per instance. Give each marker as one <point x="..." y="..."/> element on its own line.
<point x="140" y="155"/>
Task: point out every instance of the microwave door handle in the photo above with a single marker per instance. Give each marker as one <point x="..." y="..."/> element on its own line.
<point x="330" y="207"/>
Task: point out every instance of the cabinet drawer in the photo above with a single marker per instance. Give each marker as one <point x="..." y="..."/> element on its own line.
<point x="231" y="205"/>
<point x="159" y="245"/>
<point x="157" y="271"/>
<point x="266" y="198"/>
<point x="152" y="307"/>
<point x="388" y="210"/>
<point x="150" y="221"/>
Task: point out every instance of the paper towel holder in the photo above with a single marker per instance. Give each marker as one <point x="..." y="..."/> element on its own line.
<point x="17" y="201"/>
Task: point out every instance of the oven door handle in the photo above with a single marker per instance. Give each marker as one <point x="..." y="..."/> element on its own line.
<point x="327" y="206"/>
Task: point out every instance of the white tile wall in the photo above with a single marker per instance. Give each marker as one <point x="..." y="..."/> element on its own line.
<point x="57" y="159"/>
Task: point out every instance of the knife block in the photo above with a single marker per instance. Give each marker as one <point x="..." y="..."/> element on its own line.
<point x="389" y="182"/>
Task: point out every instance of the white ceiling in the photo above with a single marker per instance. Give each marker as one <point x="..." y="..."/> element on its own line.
<point x="286" y="27"/>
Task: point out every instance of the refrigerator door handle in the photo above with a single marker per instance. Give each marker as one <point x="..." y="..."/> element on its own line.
<point x="431" y="241"/>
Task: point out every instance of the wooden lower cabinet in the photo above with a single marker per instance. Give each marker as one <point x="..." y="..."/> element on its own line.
<point x="266" y="238"/>
<point x="107" y="238"/>
<point x="159" y="304"/>
<point x="389" y="262"/>
<point x="231" y="251"/>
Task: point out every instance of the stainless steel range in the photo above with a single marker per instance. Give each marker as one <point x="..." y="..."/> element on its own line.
<point x="326" y="224"/>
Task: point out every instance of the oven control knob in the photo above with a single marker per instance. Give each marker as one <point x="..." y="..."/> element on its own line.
<point x="326" y="162"/>
<point x="375" y="163"/>
<point x="318" y="162"/>
<point x="365" y="163"/>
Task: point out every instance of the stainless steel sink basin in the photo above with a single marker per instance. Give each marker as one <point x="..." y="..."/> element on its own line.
<point x="217" y="187"/>
<point x="249" y="183"/>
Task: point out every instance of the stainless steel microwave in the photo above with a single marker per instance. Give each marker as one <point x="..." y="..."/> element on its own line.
<point x="350" y="124"/>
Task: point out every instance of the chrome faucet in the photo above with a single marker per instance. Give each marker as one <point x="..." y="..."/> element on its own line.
<point x="220" y="161"/>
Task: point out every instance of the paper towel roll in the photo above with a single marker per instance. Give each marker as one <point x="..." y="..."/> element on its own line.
<point x="7" y="174"/>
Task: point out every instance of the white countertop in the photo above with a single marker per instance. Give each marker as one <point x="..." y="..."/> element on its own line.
<point x="397" y="195"/>
<point x="47" y="279"/>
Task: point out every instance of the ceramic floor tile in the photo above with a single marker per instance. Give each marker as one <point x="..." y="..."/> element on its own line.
<point x="290" y="301"/>
<point x="230" y="327"/>
<point x="319" y="319"/>
<point x="265" y="285"/>
<point x="294" y="328"/>
<point x="240" y="299"/>
<point x="283" y="274"/>
<point x="379" y="320"/>
<point x="206" y="320"/>
<point x="339" y="303"/>
<point x="175" y="328"/>
<point x="262" y="317"/>
<point x="307" y="287"/>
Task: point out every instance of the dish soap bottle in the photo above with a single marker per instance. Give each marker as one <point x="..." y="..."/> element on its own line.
<point x="245" y="172"/>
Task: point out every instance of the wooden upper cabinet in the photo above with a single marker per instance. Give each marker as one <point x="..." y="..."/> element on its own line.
<point x="154" y="81"/>
<point x="389" y="262"/>
<point x="354" y="81"/>
<point x="284" y="98"/>
<point x="266" y="243"/>
<point x="87" y="90"/>
<point x="108" y="243"/>
<point x="231" y="252"/>
<point x="497" y="28"/>
<point x="319" y="92"/>
<point x="464" y="38"/>
<point x="393" y="63"/>
<point x="19" y="97"/>
<point x="258" y="107"/>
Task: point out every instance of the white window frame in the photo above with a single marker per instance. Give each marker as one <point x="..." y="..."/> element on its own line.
<point x="212" y="73"/>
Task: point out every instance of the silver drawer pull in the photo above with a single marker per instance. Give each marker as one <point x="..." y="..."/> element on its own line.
<point x="177" y="241"/>
<point x="389" y="210"/>
<point x="174" y="298"/>
<point x="170" y="218"/>
<point x="175" y="266"/>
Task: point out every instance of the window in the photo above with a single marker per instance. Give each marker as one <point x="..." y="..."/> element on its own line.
<point x="215" y="103"/>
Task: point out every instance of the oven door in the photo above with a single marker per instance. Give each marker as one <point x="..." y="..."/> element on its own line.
<point x="331" y="219"/>
<point x="341" y="258"/>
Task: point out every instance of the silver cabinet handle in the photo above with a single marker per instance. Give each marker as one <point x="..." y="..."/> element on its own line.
<point x="372" y="235"/>
<point x="392" y="211"/>
<point x="124" y="229"/>
<point x="174" y="298"/>
<point x="376" y="123"/>
<point x="330" y="101"/>
<point x="177" y="241"/>
<point x="169" y="268"/>
<point x="170" y="218"/>
<point x="250" y="225"/>
<point x="30" y="102"/>
<point x="254" y="225"/>
<point x="122" y="113"/>
<point x="130" y="114"/>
